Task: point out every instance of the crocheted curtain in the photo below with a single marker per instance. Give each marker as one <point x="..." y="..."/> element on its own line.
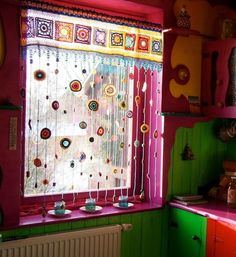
<point x="89" y="83"/>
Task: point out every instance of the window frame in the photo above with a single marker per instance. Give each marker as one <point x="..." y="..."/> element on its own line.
<point x="12" y="81"/>
<point x="32" y="199"/>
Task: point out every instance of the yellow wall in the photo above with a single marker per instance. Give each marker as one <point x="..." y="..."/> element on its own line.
<point x="187" y="49"/>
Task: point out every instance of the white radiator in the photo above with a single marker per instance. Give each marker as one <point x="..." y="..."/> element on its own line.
<point x="96" y="242"/>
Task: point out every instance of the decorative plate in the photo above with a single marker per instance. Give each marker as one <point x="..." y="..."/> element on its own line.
<point x="52" y="212"/>
<point x="121" y="207"/>
<point x="97" y="208"/>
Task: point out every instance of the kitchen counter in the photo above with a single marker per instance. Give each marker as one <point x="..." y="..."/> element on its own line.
<point x="214" y="209"/>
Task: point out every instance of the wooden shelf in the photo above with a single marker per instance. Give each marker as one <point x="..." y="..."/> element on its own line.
<point x="181" y="31"/>
<point x="10" y="107"/>
<point x="217" y="112"/>
<point x="181" y="114"/>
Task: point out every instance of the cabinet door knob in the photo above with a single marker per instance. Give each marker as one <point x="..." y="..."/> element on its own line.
<point x="174" y="224"/>
<point x="194" y="237"/>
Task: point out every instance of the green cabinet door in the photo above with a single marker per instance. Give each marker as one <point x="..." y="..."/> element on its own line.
<point x="187" y="234"/>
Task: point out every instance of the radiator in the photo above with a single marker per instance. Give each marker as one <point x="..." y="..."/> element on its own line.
<point x="96" y="242"/>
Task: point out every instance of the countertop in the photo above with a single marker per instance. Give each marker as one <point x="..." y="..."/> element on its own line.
<point x="214" y="209"/>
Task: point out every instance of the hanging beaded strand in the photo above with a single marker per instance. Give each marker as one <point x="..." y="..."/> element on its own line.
<point x="37" y="161"/>
<point x="126" y="124"/>
<point x="156" y="142"/>
<point x="55" y="106"/>
<point x="136" y="142"/>
<point x="121" y="126"/>
<point x="103" y="115"/>
<point x="108" y="127"/>
<point x="144" y="90"/>
<point x="47" y="135"/>
<point x="128" y="127"/>
<point x="150" y="135"/>
<point x="28" y="172"/>
<point x="72" y="162"/>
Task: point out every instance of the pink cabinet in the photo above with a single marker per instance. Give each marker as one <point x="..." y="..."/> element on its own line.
<point x="218" y="94"/>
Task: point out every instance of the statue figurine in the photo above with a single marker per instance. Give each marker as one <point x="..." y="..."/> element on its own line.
<point x="183" y="19"/>
<point x="187" y="154"/>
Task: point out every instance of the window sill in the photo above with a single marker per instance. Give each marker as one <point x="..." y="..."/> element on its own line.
<point x="76" y="215"/>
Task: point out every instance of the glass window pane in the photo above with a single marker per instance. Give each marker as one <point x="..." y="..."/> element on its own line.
<point x="78" y="125"/>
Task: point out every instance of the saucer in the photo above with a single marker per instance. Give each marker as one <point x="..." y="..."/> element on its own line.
<point x="52" y="212"/>
<point x="121" y="207"/>
<point x="97" y="208"/>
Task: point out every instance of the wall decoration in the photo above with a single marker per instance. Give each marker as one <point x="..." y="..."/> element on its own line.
<point x="65" y="143"/>
<point x="55" y="105"/>
<point x="182" y="74"/>
<point x="183" y="18"/>
<point x="37" y="162"/>
<point x="39" y="75"/>
<point x="100" y="131"/>
<point x="83" y="125"/>
<point x="187" y="153"/>
<point x="13" y="133"/>
<point x="110" y="90"/>
<point x="45" y="133"/>
<point x="93" y="105"/>
<point x="75" y="86"/>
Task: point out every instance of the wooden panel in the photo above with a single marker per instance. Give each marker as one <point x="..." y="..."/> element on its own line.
<point x="129" y="248"/>
<point x="209" y="152"/>
<point x="154" y="231"/>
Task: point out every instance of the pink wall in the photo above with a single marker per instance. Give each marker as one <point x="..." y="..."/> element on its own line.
<point x="10" y="159"/>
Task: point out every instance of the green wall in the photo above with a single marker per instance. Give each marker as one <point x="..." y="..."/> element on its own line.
<point x="209" y="152"/>
<point x="146" y="239"/>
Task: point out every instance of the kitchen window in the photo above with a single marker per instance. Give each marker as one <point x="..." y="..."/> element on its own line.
<point x="90" y="103"/>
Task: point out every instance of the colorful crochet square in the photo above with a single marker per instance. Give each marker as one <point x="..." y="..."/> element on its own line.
<point x="27" y="27"/>
<point x="116" y="39"/>
<point x="44" y="28"/>
<point x="156" y="46"/>
<point x="82" y="34"/>
<point x="99" y="37"/>
<point x="130" y="41"/>
<point x="143" y="44"/>
<point x="64" y="31"/>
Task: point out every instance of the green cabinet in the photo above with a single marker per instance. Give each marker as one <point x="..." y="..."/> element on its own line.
<point x="187" y="234"/>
